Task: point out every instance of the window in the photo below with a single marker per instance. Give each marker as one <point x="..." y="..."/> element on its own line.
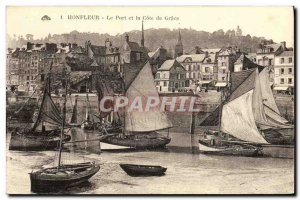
<point x="290" y="59"/>
<point x="165" y="83"/>
<point x="223" y="71"/>
<point x="171" y="84"/>
<point x="138" y="56"/>
<point x="282" y="71"/>
<point x="282" y="81"/>
<point x="223" y="64"/>
<point x="158" y="75"/>
<point x="206" y="69"/>
<point x="27" y="78"/>
<point x="290" y="81"/>
<point x="223" y="78"/>
<point x="281" y="60"/>
<point x="270" y="61"/>
<point x="290" y="70"/>
<point x="198" y="67"/>
<point x="187" y="83"/>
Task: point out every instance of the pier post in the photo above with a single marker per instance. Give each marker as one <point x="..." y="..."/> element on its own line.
<point x="192" y="124"/>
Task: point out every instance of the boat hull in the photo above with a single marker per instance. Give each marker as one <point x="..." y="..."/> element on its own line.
<point x="234" y="150"/>
<point x="285" y="136"/>
<point x="279" y="151"/>
<point x="143" y="170"/>
<point x="138" y="142"/>
<point x="36" y="141"/>
<point x="45" y="183"/>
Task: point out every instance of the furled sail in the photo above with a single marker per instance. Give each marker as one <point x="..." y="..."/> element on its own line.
<point x="48" y="112"/>
<point x="238" y="119"/>
<point x="143" y="86"/>
<point x="104" y="90"/>
<point x="74" y="112"/>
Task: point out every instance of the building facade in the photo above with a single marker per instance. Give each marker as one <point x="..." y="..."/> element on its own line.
<point x="284" y="69"/>
<point x="171" y="77"/>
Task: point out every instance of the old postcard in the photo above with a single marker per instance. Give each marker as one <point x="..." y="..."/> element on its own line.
<point x="150" y="100"/>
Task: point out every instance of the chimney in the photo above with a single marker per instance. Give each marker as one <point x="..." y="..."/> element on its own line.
<point x="107" y="42"/>
<point x="206" y="53"/>
<point x="29" y="45"/>
<point x="197" y="50"/>
<point x="283" y="44"/>
<point x="127" y="37"/>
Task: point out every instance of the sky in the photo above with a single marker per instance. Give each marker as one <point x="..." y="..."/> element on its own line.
<point x="275" y="23"/>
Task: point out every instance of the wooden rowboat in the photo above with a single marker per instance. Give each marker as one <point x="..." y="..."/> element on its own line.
<point x="54" y="180"/>
<point x="143" y="170"/>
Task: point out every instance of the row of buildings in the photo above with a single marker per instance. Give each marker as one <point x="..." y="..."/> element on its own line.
<point x="200" y="68"/>
<point x="211" y="68"/>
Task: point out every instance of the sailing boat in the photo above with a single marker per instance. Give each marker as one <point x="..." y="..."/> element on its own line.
<point x="38" y="138"/>
<point x="62" y="176"/>
<point x="88" y="124"/>
<point x="140" y="128"/>
<point x="243" y="117"/>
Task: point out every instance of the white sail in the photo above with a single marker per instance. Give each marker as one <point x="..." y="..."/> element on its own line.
<point x="136" y="121"/>
<point x="238" y="120"/>
<point x="270" y="108"/>
<point x="264" y="104"/>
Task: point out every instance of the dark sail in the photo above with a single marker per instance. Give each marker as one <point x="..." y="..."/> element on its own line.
<point x="48" y="111"/>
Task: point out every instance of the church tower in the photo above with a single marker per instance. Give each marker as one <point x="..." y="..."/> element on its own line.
<point x="179" y="46"/>
<point x="142" y="40"/>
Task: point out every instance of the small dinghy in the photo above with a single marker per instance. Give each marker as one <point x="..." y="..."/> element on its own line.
<point x="143" y="170"/>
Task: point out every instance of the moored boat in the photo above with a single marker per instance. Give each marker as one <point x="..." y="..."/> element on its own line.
<point x="54" y="179"/>
<point x="230" y="149"/>
<point x="37" y="137"/>
<point x="62" y="176"/>
<point x="138" y="141"/>
<point x="139" y="129"/>
<point x="36" y="141"/>
<point x="143" y="170"/>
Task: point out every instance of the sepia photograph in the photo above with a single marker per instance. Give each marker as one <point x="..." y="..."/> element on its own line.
<point x="152" y="100"/>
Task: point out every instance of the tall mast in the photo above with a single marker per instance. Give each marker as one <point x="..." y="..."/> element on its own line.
<point x="142" y="40"/>
<point x="63" y="120"/>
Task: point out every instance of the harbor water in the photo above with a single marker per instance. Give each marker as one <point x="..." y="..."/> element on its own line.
<point x="188" y="171"/>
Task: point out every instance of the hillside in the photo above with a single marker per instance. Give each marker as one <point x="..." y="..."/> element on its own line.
<point x="154" y="38"/>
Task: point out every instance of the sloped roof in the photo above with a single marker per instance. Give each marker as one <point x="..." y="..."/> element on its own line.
<point x="131" y="71"/>
<point x="287" y="53"/>
<point x="274" y="46"/>
<point x="193" y="57"/>
<point x="216" y="50"/>
<point x="94" y="64"/>
<point x="133" y="46"/>
<point x="98" y="50"/>
<point x="212" y="57"/>
<point x="247" y="64"/>
<point x="245" y="78"/>
<point x="78" y="49"/>
<point x="167" y="65"/>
